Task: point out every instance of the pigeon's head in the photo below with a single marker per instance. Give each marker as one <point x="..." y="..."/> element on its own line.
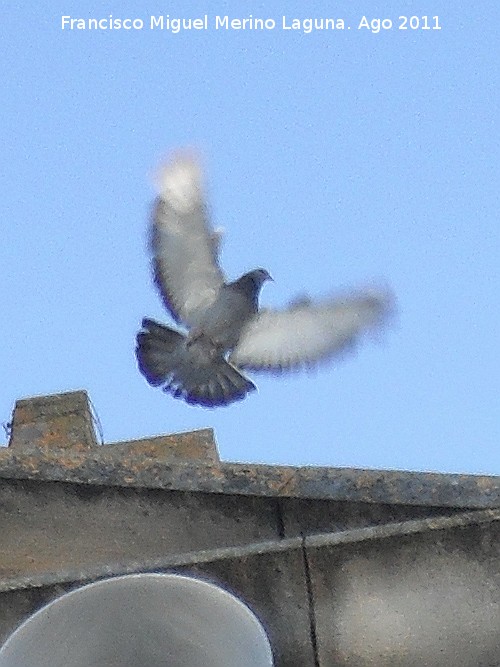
<point x="254" y="280"/>
<point x="250" y="283"/>
<point x="259" y="277"/>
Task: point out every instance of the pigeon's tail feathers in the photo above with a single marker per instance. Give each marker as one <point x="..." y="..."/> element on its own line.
<point x="216" y="385"/>
<point x="187" y="371"/>
<point x="157" y="351"/>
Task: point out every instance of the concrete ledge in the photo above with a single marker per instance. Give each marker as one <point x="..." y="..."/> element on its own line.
<point x="110" y="465"/>
<point x="53" y="439"/>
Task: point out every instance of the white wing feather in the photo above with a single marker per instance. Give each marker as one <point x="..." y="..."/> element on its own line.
<point x="183" y="245"/>
<point x="307" y="332"/>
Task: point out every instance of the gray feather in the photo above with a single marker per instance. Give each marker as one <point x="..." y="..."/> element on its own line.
<point x="187" y="372"/>
<point x="183" y="246"/>
<point x="306" y="332"/>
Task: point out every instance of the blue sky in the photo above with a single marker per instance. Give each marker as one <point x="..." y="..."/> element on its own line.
<point x="333" y="159"/>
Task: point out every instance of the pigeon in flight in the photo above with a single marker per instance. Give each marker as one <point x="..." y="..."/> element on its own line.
<point x="227" y="332"/>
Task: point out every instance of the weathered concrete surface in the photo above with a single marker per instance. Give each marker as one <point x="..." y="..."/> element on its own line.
<point x="274" y="586"/>
<point x="424" y="598"/>
<point x="53" y="526"/>
<point x="53" y="440"/>
<point x="62" y="421"/>
<point x="305" y="516"/>
<point x="17" y="605"/>
<point x="65" y="422"/>
<point x="421" y="592"/>
<point x="196" y="446"/>
<point x="106" y="466"/>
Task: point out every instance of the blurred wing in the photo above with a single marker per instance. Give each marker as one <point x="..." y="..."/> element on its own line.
<point x="183" y="245"/>
<point x="308" y="332"/>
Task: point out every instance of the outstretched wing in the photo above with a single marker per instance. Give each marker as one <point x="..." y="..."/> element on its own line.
<point x="183" y="245"/>
<point x="307" y="332"/>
